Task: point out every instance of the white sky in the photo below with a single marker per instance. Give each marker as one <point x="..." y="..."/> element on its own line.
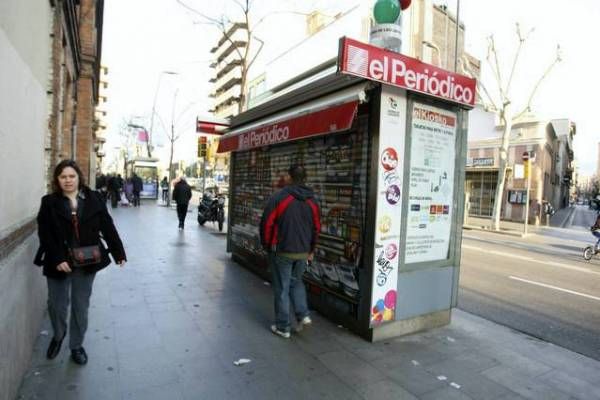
<point x="144" y="37"/>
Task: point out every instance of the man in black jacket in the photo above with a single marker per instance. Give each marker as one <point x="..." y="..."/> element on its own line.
<point x="289" y="230"/>
<point x="138" y="186"/>
<point x="182" y="193"/>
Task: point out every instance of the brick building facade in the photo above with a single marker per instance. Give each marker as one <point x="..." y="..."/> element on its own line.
<point x="76" y="51"/>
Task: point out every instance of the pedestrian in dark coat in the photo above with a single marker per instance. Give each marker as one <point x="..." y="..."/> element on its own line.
<point x="182" y="193"/>
<point x="69" y="218"/>
<point x="138" y="186"/>
<point x="289" y="230"/>
<point x="113" y="191"/>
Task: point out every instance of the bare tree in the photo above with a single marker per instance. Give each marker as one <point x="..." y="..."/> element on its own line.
<point x="245" y="54"/>
<point x="501" y="102"/>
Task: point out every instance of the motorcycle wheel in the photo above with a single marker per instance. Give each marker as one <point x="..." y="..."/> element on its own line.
<point x="588" y="253"/>
<point x="201" y="220"/>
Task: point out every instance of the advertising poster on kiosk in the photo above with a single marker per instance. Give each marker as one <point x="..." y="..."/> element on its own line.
<point x="433" y="156"/>
<point x="389" y="204"/>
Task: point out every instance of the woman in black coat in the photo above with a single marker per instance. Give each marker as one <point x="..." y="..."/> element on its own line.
<point x="72" y="217"/>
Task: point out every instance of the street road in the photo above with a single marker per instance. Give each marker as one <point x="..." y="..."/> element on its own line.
<point x="539" y="285"/>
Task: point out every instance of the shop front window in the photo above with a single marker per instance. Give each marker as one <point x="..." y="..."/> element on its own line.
<point x="481" y="186"/>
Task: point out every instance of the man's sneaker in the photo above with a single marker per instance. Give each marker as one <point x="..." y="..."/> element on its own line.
<point x="306" y="321"/>
<point x="285" y="335"/>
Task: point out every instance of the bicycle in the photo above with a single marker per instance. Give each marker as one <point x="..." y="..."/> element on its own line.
<point x="589" y="252"/>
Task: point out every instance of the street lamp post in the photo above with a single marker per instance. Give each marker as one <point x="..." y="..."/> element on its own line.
<point x="154" y="109"/>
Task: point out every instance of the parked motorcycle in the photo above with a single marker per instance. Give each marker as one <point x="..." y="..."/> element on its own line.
<point x="212" y="209"/>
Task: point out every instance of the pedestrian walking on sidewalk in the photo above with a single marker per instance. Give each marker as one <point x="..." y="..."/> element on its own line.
<point x="164" y="185"/>
<point x="289" y="230"/>
<point x="70" y="221"/>
<point x="182" y="193"/>
<point x="113" y="191"/>
<point x="138" y="186"/>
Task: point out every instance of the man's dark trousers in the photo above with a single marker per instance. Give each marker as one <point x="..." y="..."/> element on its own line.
<point x="181" y="213"/>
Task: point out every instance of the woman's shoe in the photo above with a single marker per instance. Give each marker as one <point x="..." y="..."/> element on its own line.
<point x="54" y="348"/>
<point x="79" y="356"/>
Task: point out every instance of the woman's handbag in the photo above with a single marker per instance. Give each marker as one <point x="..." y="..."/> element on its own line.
<point x="82" y="256"/>
<point x="85" y="255"/>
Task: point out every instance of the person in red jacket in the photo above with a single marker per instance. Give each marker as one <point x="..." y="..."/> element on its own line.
<point x="289" y="230"/>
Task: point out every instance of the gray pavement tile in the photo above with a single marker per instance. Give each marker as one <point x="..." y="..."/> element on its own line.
<point x="385" y="390"/>
<point x="130" y="345"/>
<point x="166" y="307"/>
<point x="350" y="369"/>
<point x="156" y="356"/>
<point x="131" y="317"/>
<point x="163" y="298"/>
<point x="571" y="384"/>
<point x="163" y="392"/>
<point x="90" y="390"/>
<point x="167" y="321"/>
<point x="413" y="378"/>
<point x="296" y="363"/>
<point x="526" y="366"/>
<point x="526" y="387"/>
<point x="314" y="342"/>
<point x="325" y="387"/>
<point x="470" y="361"/>
<point x="424" y="353"/>
<point x="178" y="344"/>
<point x="134" y="379"/>
<point x="447" y="393"/>
<point x="474" y="384"/>
<point x="560" y="358"/>
<point x="218" y="388"/>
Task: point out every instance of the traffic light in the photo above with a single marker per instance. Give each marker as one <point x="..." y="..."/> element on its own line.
<point x="201" y="146"/>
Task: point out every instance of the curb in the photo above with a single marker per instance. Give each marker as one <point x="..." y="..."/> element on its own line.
<point x="500" y="232"/>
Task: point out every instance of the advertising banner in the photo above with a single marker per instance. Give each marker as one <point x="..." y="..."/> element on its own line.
<point x="374" y="63"/>
<point x="433" y="156"/>
<point x="389" y="204"/>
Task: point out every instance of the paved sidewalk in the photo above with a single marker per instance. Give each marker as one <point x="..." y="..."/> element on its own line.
<point x="559" y="220"/>
<point x="171" y="324"/>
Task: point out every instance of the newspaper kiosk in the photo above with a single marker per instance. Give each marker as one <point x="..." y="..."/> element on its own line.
<point x="383" y="140"/>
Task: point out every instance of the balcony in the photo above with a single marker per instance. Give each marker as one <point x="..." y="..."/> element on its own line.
<point x="229" y="50"/>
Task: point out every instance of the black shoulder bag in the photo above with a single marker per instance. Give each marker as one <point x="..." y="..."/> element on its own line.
<point x="82" y="256"/>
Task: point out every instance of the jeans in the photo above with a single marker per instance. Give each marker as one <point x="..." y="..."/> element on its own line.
<point x="288" y="288"/>
<point x="597" y="234"/>
<point x="75" y="289"/>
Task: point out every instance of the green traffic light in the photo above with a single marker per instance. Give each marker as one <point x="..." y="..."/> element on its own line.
<point x="386" y="11"/>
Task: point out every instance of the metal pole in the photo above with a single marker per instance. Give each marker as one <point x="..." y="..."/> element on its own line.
<point x="527" y="196"/>
<point x="456" y="37"/>
<point x="154" y="110"/>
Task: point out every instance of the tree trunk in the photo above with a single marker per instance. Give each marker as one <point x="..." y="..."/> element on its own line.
<point x="506" y="118"/>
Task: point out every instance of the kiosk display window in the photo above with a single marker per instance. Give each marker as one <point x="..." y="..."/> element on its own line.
<point x="337" y="169"/>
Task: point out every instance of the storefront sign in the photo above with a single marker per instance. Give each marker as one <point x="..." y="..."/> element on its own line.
<point x="483" y="162"/>
<point x="433" y="135"/>
<point x="389" y="204"/>
<point x="334" y="119"/>
<point x="370" y="62"/>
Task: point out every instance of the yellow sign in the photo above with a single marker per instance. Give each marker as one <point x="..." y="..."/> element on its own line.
<point x="527" y="165"/>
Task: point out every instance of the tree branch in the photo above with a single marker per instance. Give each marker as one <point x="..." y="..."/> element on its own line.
<point x="522" y="40"/>
<point x="539" y="82"/>
<point x="262" y="43"/>
<point x="209" y="19"/>
<point x="495" y="66"/>
<point x="491" y="105"/>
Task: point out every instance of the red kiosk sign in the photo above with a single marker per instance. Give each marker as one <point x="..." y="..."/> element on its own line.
<point x="374" y="63"/>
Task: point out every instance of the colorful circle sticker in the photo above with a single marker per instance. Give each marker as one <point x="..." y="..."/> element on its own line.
<point x="391" y="251"/>
<point x="385" y="224"/>
<point x="389" y="159"/>
<point x="392" y="194"/>
<point x="390" y="299"/>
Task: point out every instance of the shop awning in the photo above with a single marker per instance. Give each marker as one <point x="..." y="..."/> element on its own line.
<point x="333" y="113"/>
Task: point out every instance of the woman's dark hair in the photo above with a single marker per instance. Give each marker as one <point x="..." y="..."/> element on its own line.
<point x="59" y="169"/>
<point x="297" y="173"/>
